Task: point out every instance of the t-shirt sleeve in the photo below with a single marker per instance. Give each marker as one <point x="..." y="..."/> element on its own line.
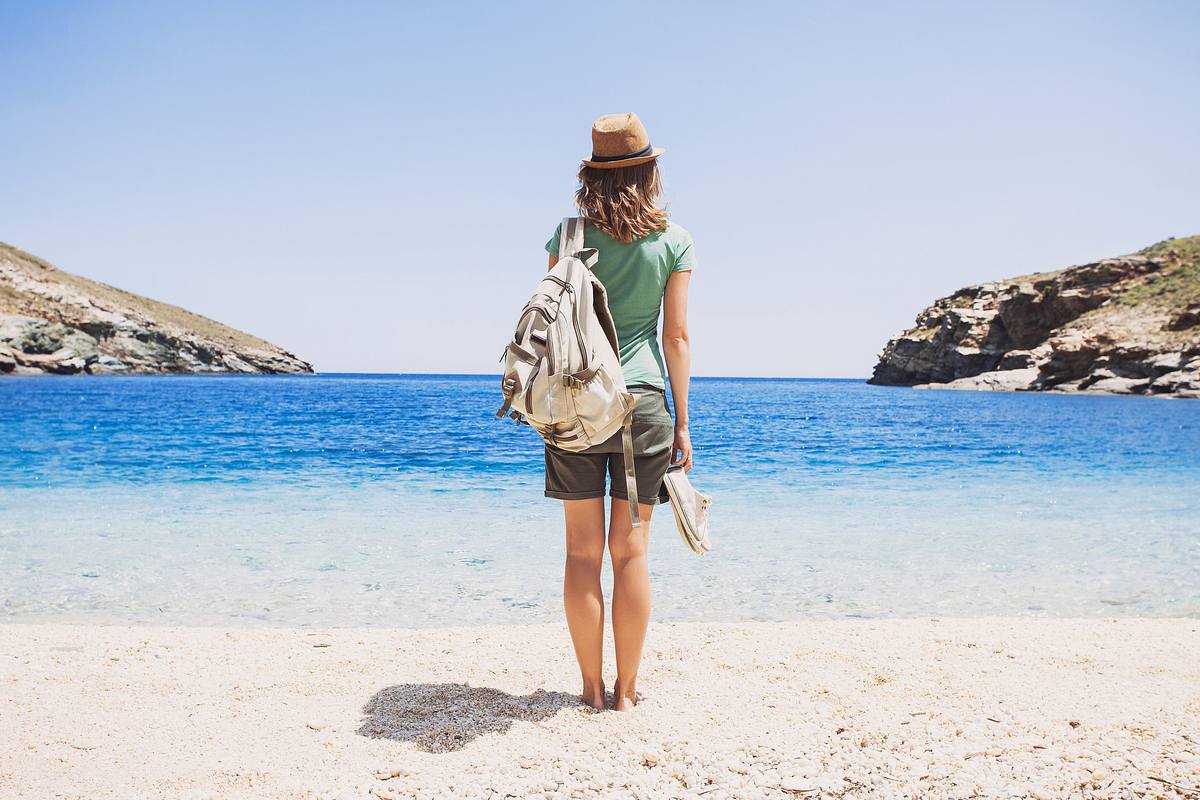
<point x="685" y="257"/>
<point x="552" y="245"/>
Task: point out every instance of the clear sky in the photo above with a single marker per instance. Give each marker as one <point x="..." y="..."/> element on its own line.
<point x="370" y="184"/>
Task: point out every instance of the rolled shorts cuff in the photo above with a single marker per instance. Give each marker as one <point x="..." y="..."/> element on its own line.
<point x="646" y="501"/>
<point x="574" y="495"/>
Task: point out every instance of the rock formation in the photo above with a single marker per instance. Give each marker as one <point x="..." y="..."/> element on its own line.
<point x="55" y="322"/>
<point x="1127" y="325"/>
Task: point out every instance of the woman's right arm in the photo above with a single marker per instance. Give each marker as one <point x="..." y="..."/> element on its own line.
<point x="678" y="352"/>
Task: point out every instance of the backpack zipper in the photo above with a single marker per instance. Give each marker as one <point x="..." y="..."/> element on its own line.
<point x="579" y="335"/>
<point x="574" y="318"/>
<point x="530" y="309"/>
<point x="529" y="388"/>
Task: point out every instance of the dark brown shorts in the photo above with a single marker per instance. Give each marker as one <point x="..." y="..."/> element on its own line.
<point x="581" y="475"/>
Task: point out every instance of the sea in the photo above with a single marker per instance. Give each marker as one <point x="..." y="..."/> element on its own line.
<point x="402" y="501"/>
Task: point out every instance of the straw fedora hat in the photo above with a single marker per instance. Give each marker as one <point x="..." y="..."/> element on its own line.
<point x="620" y="140"/>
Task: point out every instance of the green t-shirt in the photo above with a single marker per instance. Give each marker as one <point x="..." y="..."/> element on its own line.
<point x="635" y="276"/>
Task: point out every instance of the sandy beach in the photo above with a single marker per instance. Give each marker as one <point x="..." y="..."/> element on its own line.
<point x="895" y="708"/>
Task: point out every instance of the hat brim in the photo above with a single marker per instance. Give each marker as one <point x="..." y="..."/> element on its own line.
<point x="626" y="162"/>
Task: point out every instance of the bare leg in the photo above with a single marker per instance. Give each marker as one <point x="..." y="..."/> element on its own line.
<point x="583" y="599"/>
<point x="631" y="596"/>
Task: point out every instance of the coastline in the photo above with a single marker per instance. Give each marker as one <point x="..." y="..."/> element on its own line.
<point x="949" y="387"/>
<point x="900" y="707"/>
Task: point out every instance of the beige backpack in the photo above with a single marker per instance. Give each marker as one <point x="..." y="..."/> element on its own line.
<point x="562" y="375"/>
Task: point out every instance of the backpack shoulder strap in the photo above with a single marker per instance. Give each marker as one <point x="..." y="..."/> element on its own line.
<point x="570" y="242"/>
<point x="570" y="237"/>
<point x="635" y="517"/>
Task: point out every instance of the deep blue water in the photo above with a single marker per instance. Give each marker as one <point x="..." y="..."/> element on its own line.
<point x="403" y="500"/>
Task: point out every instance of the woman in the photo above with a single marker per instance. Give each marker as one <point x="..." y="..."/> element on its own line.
<point x="645" y="265"/>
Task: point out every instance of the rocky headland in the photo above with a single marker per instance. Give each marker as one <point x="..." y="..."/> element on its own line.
<point x="55" y="322"/>
<point x="1126" y="325"/>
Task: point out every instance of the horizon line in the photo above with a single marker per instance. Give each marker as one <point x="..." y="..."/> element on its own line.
<point x="497" y="375"/>
<point x="319" y="374"/>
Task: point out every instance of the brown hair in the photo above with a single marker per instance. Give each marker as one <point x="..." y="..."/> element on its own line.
<point x="621" y="201"/>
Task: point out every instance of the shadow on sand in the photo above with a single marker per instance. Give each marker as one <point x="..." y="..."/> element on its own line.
<point x="441" y="717"/>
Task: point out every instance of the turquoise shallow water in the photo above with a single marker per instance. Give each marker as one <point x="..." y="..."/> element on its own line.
<point x="402" y="501"/>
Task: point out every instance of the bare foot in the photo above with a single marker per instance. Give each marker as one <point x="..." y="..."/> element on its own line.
<point x="624" y="699"/>
<point x="594" y="696"/>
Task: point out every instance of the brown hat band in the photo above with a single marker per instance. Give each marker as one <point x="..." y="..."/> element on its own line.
<point x="645" y="151"/>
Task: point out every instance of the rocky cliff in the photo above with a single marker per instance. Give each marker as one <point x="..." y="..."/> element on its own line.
<point x="1127" y="325"/>
<point x="55" y="322"/>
